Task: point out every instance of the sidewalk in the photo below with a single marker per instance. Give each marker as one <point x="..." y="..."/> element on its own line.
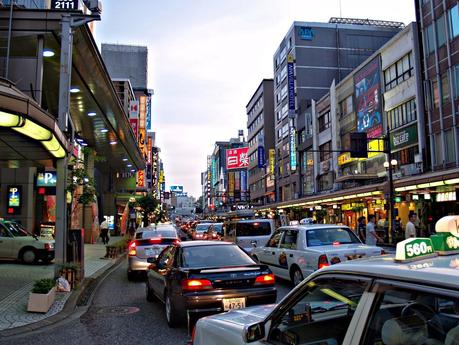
<point x="16" y="281"/>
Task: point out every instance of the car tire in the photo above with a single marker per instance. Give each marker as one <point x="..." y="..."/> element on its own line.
<point x="29" y="256"/>
<point x="172" y="317"/>
<point x="296" y="276"/>
<point x="149" y="294"/>
<point x="131" y="275"/>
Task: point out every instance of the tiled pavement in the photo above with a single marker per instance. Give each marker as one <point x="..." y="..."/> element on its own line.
<point x="16" y="281"/>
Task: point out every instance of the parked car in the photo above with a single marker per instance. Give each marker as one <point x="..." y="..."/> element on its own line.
<point x="294" y="252"/>
<point x="204" y="277"/>
<point x="148" y="243"/>
<point x="18" y="244"/>
<point x="246" y="233"/>
<point x="407" y="299"/>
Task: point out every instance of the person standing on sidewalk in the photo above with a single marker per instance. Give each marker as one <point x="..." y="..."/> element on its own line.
<point x="410" y="230"/>
<point x="104" y="231"/>
<point x="361" y="228"/>
<point x="371" y="236"/>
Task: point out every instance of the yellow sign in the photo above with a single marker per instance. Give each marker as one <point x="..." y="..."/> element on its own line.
<point x="310" y="162"/>
<point x="272" y="160"/>
<point x="161" y="176"/>
<point x="375" y="145"/>
<point x="141" y="178"/>
<point x="290" y="58"/>
<point x="345" y="158"/>
<point x="142" y="111"/>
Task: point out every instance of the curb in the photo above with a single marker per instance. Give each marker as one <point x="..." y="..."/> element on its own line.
<point x="80" y="298"/>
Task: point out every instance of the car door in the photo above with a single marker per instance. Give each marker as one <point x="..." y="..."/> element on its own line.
<point x="287" y="252"/>
<point x="325" y="310"/>
<point x="6" y="243"/>
<point x="268" y="254"/>
<point x="158" y="274"/>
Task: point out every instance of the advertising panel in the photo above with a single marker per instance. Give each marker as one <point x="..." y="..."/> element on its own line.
<point x="306" y="33"/>
<point x="46" y="179"/>
<point x="148" y="121"/>
<point x="231" y="184"/>
<point x="368" y="99"/>
<point x="134" y="109"/>
<point x="141" y="178"/>
<point x="135" y="126"/>
<point x="142" y="141"/>
<point x="244" y="196"/>
<point x="214" y="172"/>
<point x="292" y="149"/>
<point x="261" y="156"/>
<point x="14" y="199"/>
<point x="272" y="161"/>
<point x="291" y="86"/>
<point x="176" y="189"/>
<point x="404" y="137"/>
<point x="237" y="158"/>
<point x="142" y="111"/>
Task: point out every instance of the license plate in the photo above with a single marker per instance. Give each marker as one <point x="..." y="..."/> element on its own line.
<point x="151" y="252"/>
<point x="356" y="256"/>
<point x="233" y="303"/>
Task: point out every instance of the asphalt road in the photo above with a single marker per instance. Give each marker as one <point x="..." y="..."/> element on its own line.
<point x="119" y="314"/>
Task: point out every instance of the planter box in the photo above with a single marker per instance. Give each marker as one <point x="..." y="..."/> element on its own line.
<point x="40" y="303"/>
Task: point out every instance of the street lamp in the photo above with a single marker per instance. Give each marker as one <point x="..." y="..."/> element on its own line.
<point x="389" y="167"/>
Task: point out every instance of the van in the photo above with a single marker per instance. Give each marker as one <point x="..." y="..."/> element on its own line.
<point x="247" y="233"/>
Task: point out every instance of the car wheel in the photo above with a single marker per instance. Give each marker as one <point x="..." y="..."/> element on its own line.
<point x="171" y="312"/>
<point x="29" y="256"/>
<point x="149" y="293"/>
<point x="296" y="276"/>
<point x="131" y="275"/>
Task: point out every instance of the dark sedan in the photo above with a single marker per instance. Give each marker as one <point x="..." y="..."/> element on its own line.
<point x="207" y="277"/>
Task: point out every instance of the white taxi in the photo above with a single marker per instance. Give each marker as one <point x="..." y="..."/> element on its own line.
<point x="407" y="299"/>
<point x="294" y="252"/>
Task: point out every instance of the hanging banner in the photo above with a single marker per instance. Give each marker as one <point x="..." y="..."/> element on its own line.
<point x="261" y="156"/>
<point x="134" y="109"/>
<point x="368" y="99"/>
<point x="237" y="158"/>
<point x="142" y="141"/>
<point x="148" y="120"/>
<point x="291" y="86"/>
<point x="272" y="161"/>
<point x="231" y="184"/>
<point x="142" y="111"/>
<point x="141" y="178"/>
<point x="244" y="196"/>
<point x="292" y="149"/>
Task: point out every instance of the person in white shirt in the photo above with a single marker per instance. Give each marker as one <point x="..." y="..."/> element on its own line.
<point x="410" y="229"/>
<point x="104" y="231"/>
<point x="371" y="236"/>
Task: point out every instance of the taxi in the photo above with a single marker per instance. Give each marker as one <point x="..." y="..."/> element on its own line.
<point x="409" y="298"/>
<point x="294" y="252"/>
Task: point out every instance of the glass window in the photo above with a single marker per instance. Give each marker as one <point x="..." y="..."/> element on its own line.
<point x="215" y="256"/>
<point x="324" y="237"/>
<point x="275" y="239"/>
<point x="453" y="16"/>
<point x="407" y="316"/>
<point x="325" y="151"/>
<point x="450" y="151"/>
<point x="445" y="88"/>
<point x="438" y="149"/>
<point x="430" y="41"/>
<point x="322" y="313"/>
<point x="436" y="94"/>
<point x="324" y="121"/>
<point x="398" y="72"/>
<point x="441" y="30"/>
<point x="253" y="229"/>
<point x="166" y="258"/>
<point x="289" y="239"/>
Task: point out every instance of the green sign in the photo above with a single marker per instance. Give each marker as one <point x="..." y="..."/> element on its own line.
<point x="445" y="243"/>
<point x="413" y="248"/>
<point x="404" y="137"/>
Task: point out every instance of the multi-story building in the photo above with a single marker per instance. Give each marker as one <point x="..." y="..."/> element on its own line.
<point x="260" y="138"/>
<point x="308" y="59"/>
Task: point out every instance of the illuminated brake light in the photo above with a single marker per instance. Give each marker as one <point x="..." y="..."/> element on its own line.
<point x="265" y="279"/>
<point x="196" y="284"/>
<point x="132" y="249"/>
<point x="49" y="246"/>
<point x="336" y="243"/>
<point x="383" y="252"/>
<point x="155" y="240"/>
<point x="323" y="261"/>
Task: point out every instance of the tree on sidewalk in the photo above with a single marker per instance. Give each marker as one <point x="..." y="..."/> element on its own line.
<point x="151" y="208"/>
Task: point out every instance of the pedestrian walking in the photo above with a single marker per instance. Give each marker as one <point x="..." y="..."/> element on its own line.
<point x="104" y="231"/>
<point x="361" y="229"/>
<point x="371" y="236"/>
<point x="410" y="229"/>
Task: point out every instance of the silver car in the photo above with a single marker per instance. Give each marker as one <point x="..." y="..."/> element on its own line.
<point x="149" y="242"/>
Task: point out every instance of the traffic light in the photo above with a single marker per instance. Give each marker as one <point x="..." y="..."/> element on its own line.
<point x="359" y="146"/>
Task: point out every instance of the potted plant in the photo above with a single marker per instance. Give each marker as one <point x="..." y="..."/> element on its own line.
<point x="42" y="296"/>
<point x="71" y="272"/>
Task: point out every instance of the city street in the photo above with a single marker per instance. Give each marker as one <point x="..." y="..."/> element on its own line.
<point x="119" y="314"/>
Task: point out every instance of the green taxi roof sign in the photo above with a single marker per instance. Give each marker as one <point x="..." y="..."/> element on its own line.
<point x="414" y="248"/>
<point x="448" y="224"/>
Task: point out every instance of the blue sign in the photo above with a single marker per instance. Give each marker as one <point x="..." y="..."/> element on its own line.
<point x="46" y="179"/>
<point x="291" y="88"/>
<point x="176" y="189"/>
<point x="305" y="33"/>
<point x="261" y="156"/>
<point x="244" y="185"/>
<point x="148" y="119"/>
<point x="292" y="149"/>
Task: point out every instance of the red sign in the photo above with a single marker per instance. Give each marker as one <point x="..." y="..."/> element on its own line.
<point x="237" y="158"/>
<point x="135" y="126"/>
<point x="141" y="178"/>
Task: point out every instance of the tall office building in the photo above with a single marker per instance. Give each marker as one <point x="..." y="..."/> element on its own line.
<point x="308" y="59"/>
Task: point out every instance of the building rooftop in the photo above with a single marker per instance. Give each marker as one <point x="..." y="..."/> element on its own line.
<point x="370" y="22"/>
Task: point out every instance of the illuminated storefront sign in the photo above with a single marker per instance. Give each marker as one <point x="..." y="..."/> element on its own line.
<point x="237" y="158"/>
<point x="272" y="161"/>
<point x="141" y="178"/>
<point x="291" y="86"/>
<point x="292" y="149"/>
<point x="404" y="137"/>
<point x="375" y="145"/>
<point x="446" y="196"/>
<point x="14" y="199"/>
<point x="46" y="179"/>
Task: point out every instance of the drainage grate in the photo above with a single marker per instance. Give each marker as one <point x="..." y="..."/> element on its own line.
<point x="83" y="299"/>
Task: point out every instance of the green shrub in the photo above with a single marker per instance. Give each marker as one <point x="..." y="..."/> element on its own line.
<point x="43" y="285"/>
<point x="121" y="244"/>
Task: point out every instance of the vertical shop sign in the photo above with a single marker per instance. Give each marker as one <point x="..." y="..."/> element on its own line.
<point x="291" y="86"/>
<point x="231" y="184"/>
<point x="214" y="172"/>
<point x="148" y="120"/>
<point x="261" y="156"/>
<point x="368" y="99"/>
<point x="135" y="127"/>
<point x="134" y="109"/>
<point x="272" y="161"/>
<point x="142" y="111"/>
<point x="14" y="199"/>
<point x="149" y="149"/>
<point x="292" y="149"/>
<point x="141" y="178"/>
<point x="244" y="196"/>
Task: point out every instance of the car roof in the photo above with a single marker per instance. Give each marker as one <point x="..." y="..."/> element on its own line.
<point x="441" y="270"/>
<point x="187" y="244"/>
<point x="314" y="226"/>
<point x="258" y="220"/>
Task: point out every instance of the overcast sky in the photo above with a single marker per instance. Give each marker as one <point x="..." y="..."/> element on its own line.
<point x="206" y="59"/>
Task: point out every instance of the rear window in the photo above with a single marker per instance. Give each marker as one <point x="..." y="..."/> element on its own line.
<point x="215" y="256"/>
<point x="324" y="237"/>
<point x="253" y="229"/>
<point x="202" y="227"/>
<point x="156" y="233"/>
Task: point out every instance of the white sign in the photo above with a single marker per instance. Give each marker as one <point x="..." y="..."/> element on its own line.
<point x="134" y="109"/>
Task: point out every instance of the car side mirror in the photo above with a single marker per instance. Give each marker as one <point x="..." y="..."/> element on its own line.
<point x="254" y="243"/>
<point x="254" y="332"/>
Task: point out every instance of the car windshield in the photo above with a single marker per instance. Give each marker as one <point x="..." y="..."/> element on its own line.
<point x="215" y="256"/>
<point x="218" y="228"/>
<point x="156" y="233"/>
<point x="324" y="237"/>
<point x="202" y="227"/>
<point x="16" y="230"/>
<point x="253" y="229"/>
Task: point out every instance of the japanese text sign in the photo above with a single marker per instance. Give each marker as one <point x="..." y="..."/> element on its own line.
<point x="237" y="158"/>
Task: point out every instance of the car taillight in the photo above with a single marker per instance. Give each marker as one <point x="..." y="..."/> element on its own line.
<point x="323" y="262"/>
<point x="176" y="242"/>
<point x="132" y="249"/>
<point x="196" y="284"/>
<point x="155" y="240"/>
<point x="383" y="252"/>
<point x="49" y="246"/>
<point x="265" y="279"/>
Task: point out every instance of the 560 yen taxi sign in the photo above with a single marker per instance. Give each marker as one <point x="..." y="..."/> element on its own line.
<point x="413" y="248"/>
